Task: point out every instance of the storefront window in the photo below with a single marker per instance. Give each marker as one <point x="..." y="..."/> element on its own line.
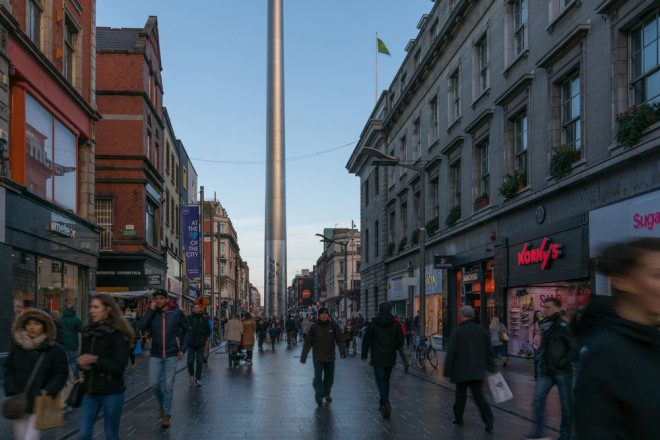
<point x="150" y="222"/>
<point x="50" y="167"/>
<point x="470" y="291"/>
<point x="523" y="302"/>
<point x="24" y="282"/>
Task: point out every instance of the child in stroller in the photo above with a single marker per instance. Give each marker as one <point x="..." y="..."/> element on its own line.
<point x="236" y="353"/>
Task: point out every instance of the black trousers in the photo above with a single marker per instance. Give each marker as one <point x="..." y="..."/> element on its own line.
<point x="476" y="387"/>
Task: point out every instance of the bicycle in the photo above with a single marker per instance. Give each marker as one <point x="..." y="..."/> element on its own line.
<point x="422" y="350"/>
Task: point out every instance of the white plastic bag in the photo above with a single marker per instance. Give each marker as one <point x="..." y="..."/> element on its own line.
<point x="499" y="388"/>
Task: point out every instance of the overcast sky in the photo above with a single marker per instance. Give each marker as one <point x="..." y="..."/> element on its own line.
<point x="214" y="74"/>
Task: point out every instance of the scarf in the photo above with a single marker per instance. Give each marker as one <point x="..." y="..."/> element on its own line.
<point x="23" y="340"/>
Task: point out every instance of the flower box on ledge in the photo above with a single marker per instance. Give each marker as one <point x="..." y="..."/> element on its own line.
<point x="512" y="184"/>
<point x="634" y="121"/>
<point x="414" y="239"/>
<point x="402" y="244"/>
<point x="432" y="226"/>
<point x="481" y="202"/>
<point x="453" y="217"/>
<point x="562" y="160"/>
<point x="391" y="248"/>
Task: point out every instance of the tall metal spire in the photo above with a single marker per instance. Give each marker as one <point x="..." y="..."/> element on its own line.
<point x="275" y="236"/>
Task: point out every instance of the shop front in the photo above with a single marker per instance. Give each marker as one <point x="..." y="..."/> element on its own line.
<point x="553" y="262"/>
<point x="48" y="255"/>
<point x="475" y="286"/>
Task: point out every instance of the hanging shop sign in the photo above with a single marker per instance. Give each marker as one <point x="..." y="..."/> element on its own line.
<point x="472" y="276"/>
<point x="544" y="255"/>
<point x="443" y="262"/>
<point x="190" y="229"/>
<point x="62" y="229"/>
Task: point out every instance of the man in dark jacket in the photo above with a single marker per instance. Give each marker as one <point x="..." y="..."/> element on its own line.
<point x="558" y="351"/>
<point x="71" y="327"/>
<point x="383" y="338"/>
<point x="199" y="333"/>
<point x="170" y="333"/>
<point x="290" y="325"/>
<point x="468" y="358"/>
<point x="322" y="337"/>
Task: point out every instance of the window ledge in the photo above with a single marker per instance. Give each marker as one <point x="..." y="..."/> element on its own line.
<point x="562" y="14"/>
<point x="582" y="163"/>
<point x="456" y="122"/>
<point x="515" y="61"/>
<point x="484" y="209"/>
<point x="616" y="147"/>
<point x="433" y="144"/>
<point x="482" y="95"/>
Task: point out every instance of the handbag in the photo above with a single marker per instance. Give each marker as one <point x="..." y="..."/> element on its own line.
<point x="503" y="336"/>
<point x="48" y="411"/>
<point x="499" y="388"/>
<point x="14" y="407"/>
<point x="75" y="396"/>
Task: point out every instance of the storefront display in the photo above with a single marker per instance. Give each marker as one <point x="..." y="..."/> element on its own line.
<point x="469" y="282"/>
<point x="524" y="302"/>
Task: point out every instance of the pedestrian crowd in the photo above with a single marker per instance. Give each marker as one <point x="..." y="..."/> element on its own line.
<point x="604" y="362"/>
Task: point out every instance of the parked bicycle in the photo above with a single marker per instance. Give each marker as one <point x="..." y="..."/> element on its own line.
<point x="422" y="350"/>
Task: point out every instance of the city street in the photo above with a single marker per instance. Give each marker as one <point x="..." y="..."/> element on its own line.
<point x="274" y="399"/>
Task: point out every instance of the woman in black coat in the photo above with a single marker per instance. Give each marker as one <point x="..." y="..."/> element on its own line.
<point x="106" y="343"/>
<point x="34" y="338"/>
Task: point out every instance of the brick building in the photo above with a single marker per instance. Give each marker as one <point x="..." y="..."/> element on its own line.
<point x="48" y="241"/>
<point x="129" y="171"/>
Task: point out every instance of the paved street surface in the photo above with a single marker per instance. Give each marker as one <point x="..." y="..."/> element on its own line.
<point x="274" y="399"/>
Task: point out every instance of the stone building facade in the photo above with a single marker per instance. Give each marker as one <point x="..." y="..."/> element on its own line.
<point x="516" y="111"/>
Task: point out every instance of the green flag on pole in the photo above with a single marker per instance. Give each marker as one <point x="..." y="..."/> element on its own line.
<point x="381" y="47"/>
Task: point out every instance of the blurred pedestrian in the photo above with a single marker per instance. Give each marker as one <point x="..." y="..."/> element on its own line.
<point x="262" y="328"/>
<point x="170" y="334"/>
<point x="199" y="334"/>
<point x="71" y="327"/>
<point x="249" y="329"/>
<point x="273" y="333"/>
<point x="33" y="352"/>
<point x="322" y="338"/>
<point x="290" y="326"/>
<point x="534" y="338"/>
<point x="382" y="339"/>
<point x="618" y="388"/>
<point x="233" y="335"/>
<point x="402" y="354"/>
<point x="107" y="341"/>
<point x="498" y="338"/>
<point x="558" y="352"/>
<point x="468" y="358"/>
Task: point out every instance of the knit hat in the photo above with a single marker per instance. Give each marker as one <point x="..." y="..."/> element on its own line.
<point x="323" y="310"/>
<point x="385" y="307"/>
<point x="35" y="319"/>
<point x="160" y="292"/>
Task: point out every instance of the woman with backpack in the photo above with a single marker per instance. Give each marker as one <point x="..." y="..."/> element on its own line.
<point x="36" y="364"/>
<point x="498" y="339"/>
<point x="107" y="341"/>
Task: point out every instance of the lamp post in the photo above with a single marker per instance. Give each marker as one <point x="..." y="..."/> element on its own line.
<point x="381" y="159"/>
<point x="345" y="246"/>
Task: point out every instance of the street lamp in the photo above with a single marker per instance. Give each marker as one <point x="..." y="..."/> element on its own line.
<point x="345" y="246"/>
<point x="381" y="159"/>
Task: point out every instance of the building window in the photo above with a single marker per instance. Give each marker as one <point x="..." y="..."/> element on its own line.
<point x="357" y="268"/>
<point x="417" y="211"/>
<point x="366" y="245"/>
<point x="222" y="248"/>
<point x="404" y="81"/>
<point x="50" y="156"/>
<point x="520" y="143"/>
<point x="376" y="239"/>
<point x="456" y="183"/>
<point x="365" y="192"/>
<point x="222" y="268"/>
<point x="222" y="228"/>
<point x="148" y="145"/>
<point x="416" y="58"/>
<point x="484" y="170"/>
<point x="391" y="226"/>
<point x="104" y="210"/>
<point x="391" y="171"/>
<point x="377" y="180"/>
<point x="402" y="154"/>
<point x="70" y="32"/>
<point x="455" y="95"/>
<point x="173" y="209"/>
<point x="435" y="122"/>
<point x="417" y="140"/>
<point x="33" y="21"/>
<point x="150" y="224"/>
<point x="167" y="162"/>
<point x="519" y="13"/>
<point x="167" y="207"/>
<point x="341" y="268"/>
<point x="433" y="32"/>
<point x="645" y="68"/>
<point x="435" y="197"/>
<point x="482" y="55"/>
<point x="570" y="112"/>
<point x="404" y="219"/>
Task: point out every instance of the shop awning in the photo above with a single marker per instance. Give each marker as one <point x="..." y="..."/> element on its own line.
<point x="126" y="295"/>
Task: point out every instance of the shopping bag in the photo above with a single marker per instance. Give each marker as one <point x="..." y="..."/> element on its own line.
<point x="48" y="411"/>
<point x="75" y="396"/>
<point x="499" y="388"/>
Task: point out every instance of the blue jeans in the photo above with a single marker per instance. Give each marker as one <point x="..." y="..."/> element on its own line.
<point x="72" y="359"/>
<point x="383" y="382"/>
<point x="89" y="411"/>
<point x="161" y="377"/>
<point x="544" y="384"/>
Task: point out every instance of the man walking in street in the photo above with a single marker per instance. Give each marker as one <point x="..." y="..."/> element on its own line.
<point x="290" y="325"/>
<point x="559" y="350"/>
<point x="468" y="358"/>
<point x="199" y="333"/>
<point x="383" y="338"/>
<point x="170" y="334"/>
<point x="322" y="337"/>
<point x="71" y="327"/>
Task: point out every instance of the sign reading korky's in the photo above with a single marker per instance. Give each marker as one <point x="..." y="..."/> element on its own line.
<point x="544" y="254"/>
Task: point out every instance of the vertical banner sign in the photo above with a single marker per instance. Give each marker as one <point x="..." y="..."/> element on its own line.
<point x="190" y="228"/>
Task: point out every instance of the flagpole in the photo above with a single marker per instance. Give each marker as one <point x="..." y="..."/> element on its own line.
<point x="376" y="88"/>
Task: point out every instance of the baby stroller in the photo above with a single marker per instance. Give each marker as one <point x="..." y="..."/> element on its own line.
<point x="236" y="353"/>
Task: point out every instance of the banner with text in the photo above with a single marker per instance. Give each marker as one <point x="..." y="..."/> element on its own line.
<point x="190" y="228"/>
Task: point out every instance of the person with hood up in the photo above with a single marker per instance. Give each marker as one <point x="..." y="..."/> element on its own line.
<point x="107" y="340"/>
<point x="618" y="388"/>
<point x="322" y="338"/>
<point x="33" y="350"/>
<point x="170" y="334"/>
<point x="233" y="335"/>
<point x="71" y="326"/>
<point x="199" y="334"/>
<point x="468" y="358"/>
<point x="383" y="338"/>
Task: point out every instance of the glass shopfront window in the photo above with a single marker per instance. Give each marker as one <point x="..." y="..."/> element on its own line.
<point x="470" y="291"/>
<point x="43" y="282"/>
<point x="50" y="156"/>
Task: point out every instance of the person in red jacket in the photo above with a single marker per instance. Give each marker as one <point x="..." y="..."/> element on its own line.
<point x="402" y="354"/>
